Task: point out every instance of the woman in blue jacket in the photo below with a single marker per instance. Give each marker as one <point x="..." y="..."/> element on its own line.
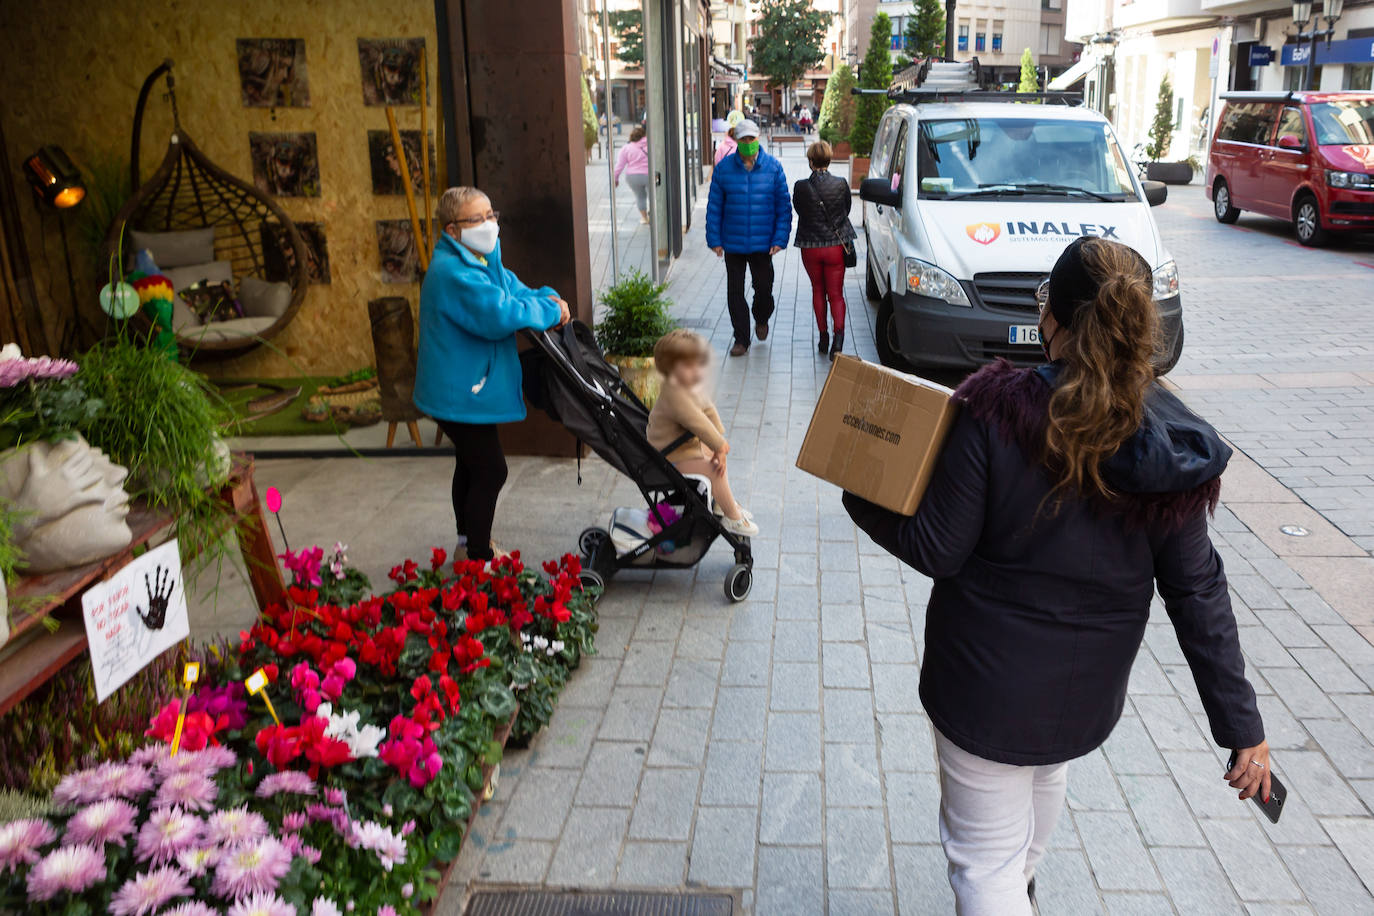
<point x="468" y="376"/>
<point x="748" y="220"/>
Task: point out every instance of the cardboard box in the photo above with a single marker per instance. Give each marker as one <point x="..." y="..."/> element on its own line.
<point x="877" y="432"/>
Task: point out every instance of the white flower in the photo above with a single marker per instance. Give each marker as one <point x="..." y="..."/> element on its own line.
<point x="323" y="906"/>
<point x="389" y="847"/>
<point x="10" y="351"/>
<point x="362" y="740"/>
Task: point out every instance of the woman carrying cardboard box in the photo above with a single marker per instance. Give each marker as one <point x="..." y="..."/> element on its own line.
<point x="1064" y="496"/>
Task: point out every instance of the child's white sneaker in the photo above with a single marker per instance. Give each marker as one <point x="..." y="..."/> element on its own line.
<point x="742" y="526"/>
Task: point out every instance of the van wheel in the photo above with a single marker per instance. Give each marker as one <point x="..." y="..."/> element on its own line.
<point x="889" y="348"/>
<point x="1307" y="222"/>
<point x="870" y="281"/>
<point x="1221" y="203"/>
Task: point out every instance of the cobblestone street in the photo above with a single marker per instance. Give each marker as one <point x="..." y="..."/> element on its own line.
<point x="777" y="748"/>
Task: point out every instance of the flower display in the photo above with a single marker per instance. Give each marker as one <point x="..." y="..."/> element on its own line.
<point x="108" y="821"/>
<point x="262" y="904"/>
<point x="147" y="892"/>
<point x="192" y="790"/>
<point x="166" y="834"/>
<point x="69" y="869"/>
<point x="251" y="868"/>
<point x="20" y="842"/>
<point x="16" y="369"/>
<point x="290" y="781"/>
<point x="234" y="827"/>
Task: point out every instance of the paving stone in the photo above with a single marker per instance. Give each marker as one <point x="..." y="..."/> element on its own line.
<point x="1300" y="693"/>
<point x="796" y="641"/>
<point x="890" y="642"/>
<point x="1287" y="627"/>
<point x="844" y="665"/>
<point x="861" y="903"/>
<point x="896" y="688"/>
<point x="723" y="847"/>
<point x="1326" y="878"/>
<point x="1160" y="811"/>
<point x="913" y="807"/>
<point x="1354" y="837"/>
<point x="1343" y="744"/>
<point x="1147" y="677"/>
<point x="856" y="848"/>
<point x="791" y="811"/>
<point x="852" y="778"/>
<point x="701" y="638"/>
<point x="746" y="664"/>
<point x="842" y="623"/>
<point x="1195" y="882"/>
<point x="839" y="587"/>
<point x="631" y="714"/>
<point x="1092" y="786"/>
<point x="1115" y="851"/>
<point x="611" y="777"/>
<point x="796" y="687"/>
<point x="849" y="716"/>
<point x="692" y="682"/>
<point x="922" y="885"/>
<point x="539" y="804"/>
<point x="1168" y="723"/>
<point x="733" y="773"/>
<point x="794" y="742"/>
<point x="1131" y="750"/>
<point x="590" y="848"/>
<point x="1307" y="773"/>
<point x="1123" y="904"/>
<point x="568" y="738"/>
<point x="522" y="861"/>
<point x="1064" y="884"/>
<point x="906" y="743"/>
<point x="1331" y="674"/>
<point x="1360" y="710"/>
<point x="1249" y="861"/>
<point x="798" y="602"/>
<point x="1281" y="728"/>
<point x="663" y="810"/>
<point x="798" y="568"/>
<point x="740" y="713"/>
<point x="680" y="738"/>
<point x="647" y="864"/>
<point x="791" y="881"/>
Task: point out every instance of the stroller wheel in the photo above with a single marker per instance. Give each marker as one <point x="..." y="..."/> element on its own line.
<point x="590" y="578"/>
<point x="590" y="539"/>
<point x="738" y="581"/>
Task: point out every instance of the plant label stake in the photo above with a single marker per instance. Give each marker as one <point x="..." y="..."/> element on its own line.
<point x="256" y="684"/>
<point x="189" y="675"/>
<point x="273" y="499"/>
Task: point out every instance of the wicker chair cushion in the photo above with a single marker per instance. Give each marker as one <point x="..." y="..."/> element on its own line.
<point x="175" y="249"/>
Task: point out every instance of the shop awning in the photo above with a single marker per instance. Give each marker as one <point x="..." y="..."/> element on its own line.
<point x="1065" y="80"/>
<point x="725" y="69"/>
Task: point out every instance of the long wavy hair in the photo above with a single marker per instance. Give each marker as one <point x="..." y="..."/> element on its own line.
<point x="1108" y="368"/>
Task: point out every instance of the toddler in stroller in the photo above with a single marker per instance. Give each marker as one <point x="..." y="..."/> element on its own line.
<point x="681" y="356"/>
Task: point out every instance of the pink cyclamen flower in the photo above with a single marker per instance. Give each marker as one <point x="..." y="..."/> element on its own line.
<point x="293" y="782"/>
<point x="166" y="834"/>
<point x="323" y="906"/>
<point x="262" y="904"/>
<point x="20" y="842"/>
<point x="148" y="891"/>
<point x="191" y="790"/>
<point x="234" y="827"/>
<point x="109" y="821"/>
<point x="253" y="868"/>
<point x="72" y="869"/>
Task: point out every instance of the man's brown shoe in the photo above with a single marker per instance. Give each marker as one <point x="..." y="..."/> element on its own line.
<point x="761" y="330"/>
<point x="739" y="349"/>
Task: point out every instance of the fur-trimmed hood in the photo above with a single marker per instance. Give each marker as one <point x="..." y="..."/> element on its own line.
<point x="1165" y="472"/>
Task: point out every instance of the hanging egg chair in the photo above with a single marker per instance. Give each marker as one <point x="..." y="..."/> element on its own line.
<point x="236" y="262"/>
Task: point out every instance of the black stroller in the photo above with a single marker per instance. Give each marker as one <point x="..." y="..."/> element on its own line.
<point x="568" y="378"/>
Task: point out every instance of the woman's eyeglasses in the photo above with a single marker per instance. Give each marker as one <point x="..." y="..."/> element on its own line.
<point x="491" y="217"/>
<point x="1042" y="295"/>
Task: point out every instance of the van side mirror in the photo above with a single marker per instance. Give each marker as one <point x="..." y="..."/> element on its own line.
<point x="1290" y="141"/>
<point x="1156" y="192"/>
<point x="879" y="191"/>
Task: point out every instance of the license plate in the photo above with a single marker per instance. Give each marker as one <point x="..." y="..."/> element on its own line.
<point x="1023" y="334"/>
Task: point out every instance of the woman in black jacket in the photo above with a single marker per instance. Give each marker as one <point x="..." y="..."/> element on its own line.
<point x="1064" y="496"/>
<point x="823" y="232"/>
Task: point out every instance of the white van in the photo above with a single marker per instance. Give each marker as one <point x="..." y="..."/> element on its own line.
<point x="955" y="256"/>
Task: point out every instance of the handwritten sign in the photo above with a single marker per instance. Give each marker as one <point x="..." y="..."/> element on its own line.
<point x="134" y="617"/>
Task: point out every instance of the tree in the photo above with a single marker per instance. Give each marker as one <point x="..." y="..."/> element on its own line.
<point x="628" y="26"/>
<point x="837" y="109"/>
<point x="924" y="35"/>
<point x="1162" y="127"/>
<point x="589" y="126"/>
<point x="876" y="74"/>
<point x="1030" y="80"/>
<point x="790" y="40"/>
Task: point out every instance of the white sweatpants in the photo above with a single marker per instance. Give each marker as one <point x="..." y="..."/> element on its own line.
<point x="995" y="823"/>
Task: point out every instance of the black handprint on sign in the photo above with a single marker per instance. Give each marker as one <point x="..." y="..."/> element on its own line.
<point x="159" y="591"/>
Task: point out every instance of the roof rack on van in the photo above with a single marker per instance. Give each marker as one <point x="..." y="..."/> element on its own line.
<point x="1250" y="95"/>
<point x="925" y="96"/>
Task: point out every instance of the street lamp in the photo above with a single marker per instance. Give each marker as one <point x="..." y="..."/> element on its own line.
<point x="949" y="29"/>
<point x="1302" y="14"/>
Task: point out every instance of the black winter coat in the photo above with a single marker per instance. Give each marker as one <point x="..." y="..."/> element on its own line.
<point x="822" y="203"/>
<point x="1036" y="616"/>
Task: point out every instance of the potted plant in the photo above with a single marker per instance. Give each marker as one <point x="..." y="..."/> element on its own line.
<point x="1161" y="139"/>
<point x="877" y="74"/>
<point x="636" y="317"/>
<point x="837" y="112"/>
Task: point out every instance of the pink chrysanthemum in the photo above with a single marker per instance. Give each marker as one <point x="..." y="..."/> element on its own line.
<point x="293" y="821"/>
<point x="71" y="868"/>
<point x="21" y="840"/>
<point x="253" y="868"/>
<point x="262" y="904"/>
<point x="196" y="862"/>
<point x="310" y="854"/>
<point x="148" y="891"/>
<point x="386" y="909"/>
<point x="166" y="834"/>
<point x="109" y="821"/>
<point x="207" y="762"/>
<point x="192" y="908"/>
<point x="38" y="368"/>
<point x="334" y="796"/>
<point x="235" y="827"/>
<point x="191" y="790"/>
<point x="292" y="781"/>
<point x="323" y="906"/>
<point x="108" y="780"/>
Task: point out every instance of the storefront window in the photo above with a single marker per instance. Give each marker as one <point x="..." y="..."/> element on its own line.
<point x="1293" y="78"/>
<point x="1358" y="76"/>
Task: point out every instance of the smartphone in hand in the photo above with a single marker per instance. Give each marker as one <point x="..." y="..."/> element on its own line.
<point x="1278" y="793"/>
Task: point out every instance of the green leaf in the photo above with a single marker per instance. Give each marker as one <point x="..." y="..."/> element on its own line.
<point x="498" y="701"/>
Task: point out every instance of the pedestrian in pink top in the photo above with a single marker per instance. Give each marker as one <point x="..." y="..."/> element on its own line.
<point x="633" y="162"/>
<point x="726" y="146"/>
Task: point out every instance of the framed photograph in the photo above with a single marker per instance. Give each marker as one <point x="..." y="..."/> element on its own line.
<point x="285" y="164"/>
<point x="280" y="258"/>
<point x="386" y="174"/>
<point x="391" y="70"/>
<point x="397" y="251"/>
<point x="272" y="73"/>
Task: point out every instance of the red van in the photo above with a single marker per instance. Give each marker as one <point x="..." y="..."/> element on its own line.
<point x="1306" y="157"/>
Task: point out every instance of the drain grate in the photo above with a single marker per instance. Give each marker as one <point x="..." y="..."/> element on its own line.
<point x="597" y="903"/>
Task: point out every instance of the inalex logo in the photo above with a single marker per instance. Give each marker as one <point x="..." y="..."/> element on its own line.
<point x="983" y="233"/>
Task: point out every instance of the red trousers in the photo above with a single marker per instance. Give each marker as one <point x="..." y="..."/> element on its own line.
<point x="825" y="267"/>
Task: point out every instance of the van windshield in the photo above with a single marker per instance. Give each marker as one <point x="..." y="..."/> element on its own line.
<point x="1344" y="123"/>
<point x="961" y="158"/>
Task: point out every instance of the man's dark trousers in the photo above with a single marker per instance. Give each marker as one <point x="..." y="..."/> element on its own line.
<point x="760" y="264"/>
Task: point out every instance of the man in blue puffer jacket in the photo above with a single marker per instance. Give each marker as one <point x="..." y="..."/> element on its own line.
<point x="748" y="220"/>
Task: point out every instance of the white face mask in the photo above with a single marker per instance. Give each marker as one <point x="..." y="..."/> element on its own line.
<point x="481" y="239"/>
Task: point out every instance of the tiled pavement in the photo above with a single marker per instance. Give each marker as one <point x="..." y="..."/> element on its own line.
<point x="777" y="747"/>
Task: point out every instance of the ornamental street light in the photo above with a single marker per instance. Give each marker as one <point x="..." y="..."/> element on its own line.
<point x="1303" y="14"/>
